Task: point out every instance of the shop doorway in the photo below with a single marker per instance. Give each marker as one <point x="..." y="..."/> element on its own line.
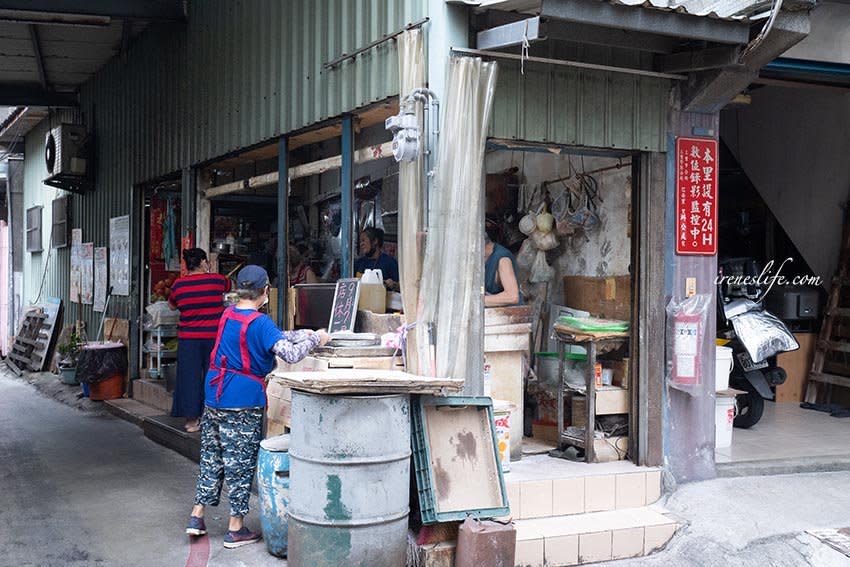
<point x="783" y="189"/>
<point x="156" y="265"/>
<point x="567" y="216"/>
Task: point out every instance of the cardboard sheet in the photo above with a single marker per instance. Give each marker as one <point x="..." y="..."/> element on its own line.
<point x="466" y="473"/>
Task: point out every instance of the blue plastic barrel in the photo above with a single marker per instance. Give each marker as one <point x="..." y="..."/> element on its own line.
<point x="273" y="489"/>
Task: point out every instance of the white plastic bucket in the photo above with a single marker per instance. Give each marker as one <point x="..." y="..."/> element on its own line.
<point x="502" y="418"/>
<point x="722" y="367"/>
<point x="724" y="416"/>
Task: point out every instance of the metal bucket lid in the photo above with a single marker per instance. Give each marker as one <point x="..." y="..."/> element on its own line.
<point x="276" y="444"/>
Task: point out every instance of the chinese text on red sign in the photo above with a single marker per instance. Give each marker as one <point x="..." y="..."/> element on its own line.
<point x="696" y="196"/>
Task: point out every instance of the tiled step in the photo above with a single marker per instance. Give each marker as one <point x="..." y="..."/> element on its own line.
<point x="541" y="486"/>
<point x="152" y="393"/>
<point x="131" y="410"/>
<point x="592" y="537"/>
<point x="169" y="431"/>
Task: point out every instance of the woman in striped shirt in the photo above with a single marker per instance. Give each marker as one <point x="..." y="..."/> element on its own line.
<point x="199" y="297"/>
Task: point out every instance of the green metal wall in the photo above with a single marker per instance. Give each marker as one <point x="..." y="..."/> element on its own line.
<point x="239" y="73"/>
<point x="580" y="107"/>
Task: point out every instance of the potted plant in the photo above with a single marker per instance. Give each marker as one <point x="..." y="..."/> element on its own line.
<point x="68" y="351"/>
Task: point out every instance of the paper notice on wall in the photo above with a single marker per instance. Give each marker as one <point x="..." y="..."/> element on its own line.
<point x="76" y="277"/>
<point x="101" y="279"/>
<point x="119" y="255"/>
<point x="686" y="343"/>
<point x="87" y="273"/>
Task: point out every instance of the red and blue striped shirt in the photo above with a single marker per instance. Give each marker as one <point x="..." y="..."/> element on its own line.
<point x="199" y="299"/>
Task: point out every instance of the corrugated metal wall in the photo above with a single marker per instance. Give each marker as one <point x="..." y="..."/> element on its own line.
<point x="238" y="74"/>
<point x="581" y="107"/>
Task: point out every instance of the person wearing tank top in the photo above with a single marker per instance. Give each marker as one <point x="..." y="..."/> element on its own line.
<point x="500" y="283"/>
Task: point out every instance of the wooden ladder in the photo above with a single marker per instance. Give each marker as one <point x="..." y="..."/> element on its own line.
<point x="831" y="362"/>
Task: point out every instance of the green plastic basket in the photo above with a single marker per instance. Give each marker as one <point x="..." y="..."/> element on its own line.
<point x="425" y="474"/>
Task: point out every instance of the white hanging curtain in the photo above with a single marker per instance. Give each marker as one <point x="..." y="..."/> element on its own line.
<point x="452" y="272"/>
<point x="411" y="71"/>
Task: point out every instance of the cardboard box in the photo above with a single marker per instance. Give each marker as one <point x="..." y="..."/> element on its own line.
<point x="610" y="298"/>
<point x="610" y="400"/>
<point x="545" y="431"/>
<point x="279" y="408"/>
<point x="621" y="372"/>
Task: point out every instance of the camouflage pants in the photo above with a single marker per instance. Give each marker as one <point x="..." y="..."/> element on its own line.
<point x="230" y="440"/>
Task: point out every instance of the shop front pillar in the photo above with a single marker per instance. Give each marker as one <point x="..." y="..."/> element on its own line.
<point x="689" y="419"/>
<point x="283" y="232"/>
<point x="347" y="190"/>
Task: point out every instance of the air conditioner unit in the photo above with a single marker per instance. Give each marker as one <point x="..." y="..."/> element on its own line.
<point x="63" y="150"/>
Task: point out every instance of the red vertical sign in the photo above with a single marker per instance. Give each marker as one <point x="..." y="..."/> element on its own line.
<point x="696" y="196"/>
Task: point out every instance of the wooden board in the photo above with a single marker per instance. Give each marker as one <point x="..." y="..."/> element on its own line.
<point x="117" y="330"/>
<point x="495" y="316"/>
<point x="354" y="352"/>
<point x="352" y="381"/>
<point x="28" y="336"/>
<point x="368" y="363"/>
<point x="797" y="365"/>
<point x="42" y="352"/>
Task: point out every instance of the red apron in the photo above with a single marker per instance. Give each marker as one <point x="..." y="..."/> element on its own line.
<point x="244" y="368"/>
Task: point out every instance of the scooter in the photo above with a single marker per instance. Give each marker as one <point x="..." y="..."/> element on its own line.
<point x="756" y="336"/>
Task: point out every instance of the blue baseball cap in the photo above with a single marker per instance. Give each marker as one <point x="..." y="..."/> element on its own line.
<point x="252" y="277"/>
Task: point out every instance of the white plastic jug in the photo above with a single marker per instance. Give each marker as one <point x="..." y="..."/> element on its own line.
<point x="373" y="294"/>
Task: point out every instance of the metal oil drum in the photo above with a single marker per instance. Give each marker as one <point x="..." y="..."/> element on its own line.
<point x="349" y="480"/>
<point x="273" y="491"/>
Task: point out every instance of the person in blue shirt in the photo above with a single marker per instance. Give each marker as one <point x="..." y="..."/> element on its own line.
<point x="372" y="257"/>
<point x="500" y="282"/>
<point x="246" y="345"/>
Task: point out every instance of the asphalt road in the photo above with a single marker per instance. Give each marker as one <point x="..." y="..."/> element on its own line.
<point x="82" y="489"/>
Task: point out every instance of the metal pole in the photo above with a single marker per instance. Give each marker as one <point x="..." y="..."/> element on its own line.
<point x="189" y="195"/>
<point x="283" y="232"/>
<point x="347" y="191"/>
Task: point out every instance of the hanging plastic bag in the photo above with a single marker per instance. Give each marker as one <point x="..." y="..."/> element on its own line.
<point x="527" y="224"/>
<point x="545" y="222"/>
<point x="541" y="271"/>
<point x="525" y="256"/>
<point x="544" y="240"/>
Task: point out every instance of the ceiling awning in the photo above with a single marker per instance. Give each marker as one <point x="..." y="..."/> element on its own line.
<point x="733" y="10"/>
<point x="48" y="48"/>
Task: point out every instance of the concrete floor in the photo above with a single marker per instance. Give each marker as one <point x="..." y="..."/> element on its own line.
<point x="787" y="431"/>
<point x="755" y="522"/>
<point x="85" y="489"/>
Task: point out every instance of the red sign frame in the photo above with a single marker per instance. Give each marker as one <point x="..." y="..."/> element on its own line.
<point x="696" y="196"/>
